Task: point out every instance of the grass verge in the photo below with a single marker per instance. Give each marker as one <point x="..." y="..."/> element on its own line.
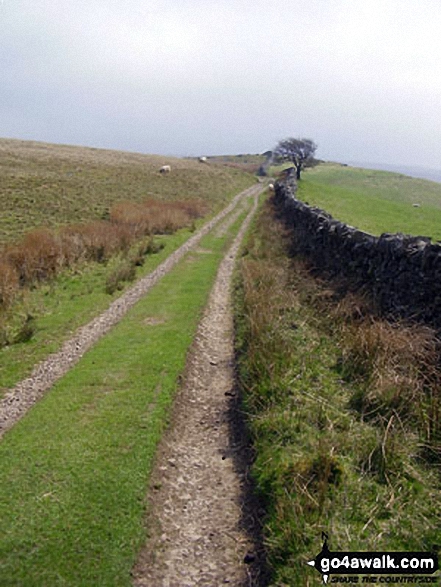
<point x="75" y="469"/>
<point x="323" y="463"/>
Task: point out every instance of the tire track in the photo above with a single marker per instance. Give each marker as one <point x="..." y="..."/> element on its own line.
<point x="197" y="535"/>
<point x="25" y="394"/>
<point x="225" y="225"/>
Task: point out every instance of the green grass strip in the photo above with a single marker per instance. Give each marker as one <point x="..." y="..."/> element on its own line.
<point x="76" y="468"/>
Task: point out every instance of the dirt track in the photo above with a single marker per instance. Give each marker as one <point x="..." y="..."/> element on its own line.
<point x="24" y="395"/>
<point x="200" y="531"/>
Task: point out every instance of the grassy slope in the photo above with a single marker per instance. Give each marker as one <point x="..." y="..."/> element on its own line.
<point x="375" y="201"/>
<point x="73" y="486"/>
<point x="33" y="176"/>
<point x="45" y="184"/>
<point x="319" y="466"/>
<point x="246" y="162"/>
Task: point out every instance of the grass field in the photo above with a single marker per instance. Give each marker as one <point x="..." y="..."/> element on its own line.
<point x="374" y="201"/>
<point x="51" y="185"/>
<point x="341" y="408"/>
<point x="75" y="469"/>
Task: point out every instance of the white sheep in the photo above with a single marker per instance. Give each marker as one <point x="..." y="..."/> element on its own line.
<point x="271" y="187"/>
<point x="202" y="159"/>
<point x="416" y="205"/>
<point x="165" y="169"/>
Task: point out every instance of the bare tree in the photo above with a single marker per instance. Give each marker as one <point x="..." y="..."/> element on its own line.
<point x="299" y="151"/>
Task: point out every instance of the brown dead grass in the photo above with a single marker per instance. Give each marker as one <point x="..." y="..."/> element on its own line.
<point x="9" y="283"/>
<point x="396" y="368"/>
<point x="42" y="253"/>
<point x="156" y="217"/>
<point x="395" y="364"/>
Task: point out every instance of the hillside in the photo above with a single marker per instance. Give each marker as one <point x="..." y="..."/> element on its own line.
<point x="46" y="184"/>
<point x="375" y="201"/>
<point x="245" y="162"/>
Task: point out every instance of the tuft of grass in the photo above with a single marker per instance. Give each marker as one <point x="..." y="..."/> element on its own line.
<point x="148" y="247"/>
<point x="396" y="370"/>
<point x="26" y="331"/>
<point x="124" y="272"/>
<point x="9" y="284"/>
<point x="320" y="464"/>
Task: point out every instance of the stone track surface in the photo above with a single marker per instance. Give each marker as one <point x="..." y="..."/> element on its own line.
<point x="26" y="393"/>
<point x="197" y="535"/>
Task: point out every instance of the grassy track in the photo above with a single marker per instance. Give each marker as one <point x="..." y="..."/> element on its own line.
<point x="76" y="468"/>
<point x="321" y="465"/>
<point x="374" y="201"/>
<point x="53" y="185"/>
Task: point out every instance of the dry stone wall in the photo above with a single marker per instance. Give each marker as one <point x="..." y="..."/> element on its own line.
<point x="402" y="273"/>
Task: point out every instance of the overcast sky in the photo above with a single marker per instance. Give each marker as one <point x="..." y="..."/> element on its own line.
<point x="191" y="77"/>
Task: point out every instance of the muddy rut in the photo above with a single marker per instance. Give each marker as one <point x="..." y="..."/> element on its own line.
<point x="25" y="394"/>
<point x="196" y="521"/>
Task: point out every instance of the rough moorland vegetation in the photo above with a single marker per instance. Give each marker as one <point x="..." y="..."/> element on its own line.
<point x="43" y="253"/>
<point x="64" y="207"/>
<point x="54" y="185"/>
